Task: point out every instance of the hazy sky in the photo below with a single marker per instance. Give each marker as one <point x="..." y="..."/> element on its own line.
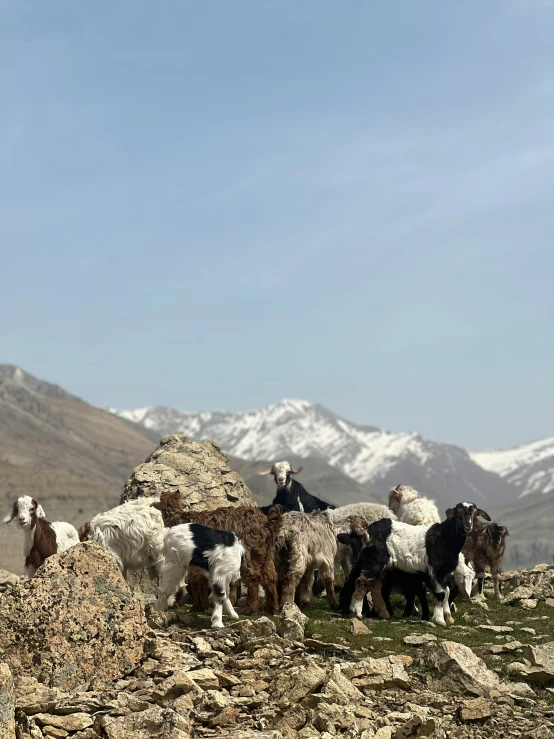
<point x="216" y="205"/>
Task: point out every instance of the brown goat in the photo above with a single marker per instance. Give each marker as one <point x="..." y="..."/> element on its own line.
<point x="257" y="533"/>
<point x="485" y="547"/>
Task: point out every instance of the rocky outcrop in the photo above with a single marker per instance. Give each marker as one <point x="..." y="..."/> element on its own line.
<point x="75" y="622"/>
<point x="7" y="703"/>
<point x="197" y="469"/>
<point x="292" y="622"/>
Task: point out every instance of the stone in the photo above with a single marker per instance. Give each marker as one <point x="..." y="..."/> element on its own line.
<point x="256" y="633"/>
<point x="528" y="630"/>
<point x="415" y="726"/>
<point x="340" y="688"/>
<point x="292" y="685"/>
<point x="419" y="640"/>
<point x="54" y="732"/>
<point x="496" y="629"/>
<point x="520" y="593"/>
<point x="541" y="667"/>
<point x="197" y="469"/>
<point x="377" y="674"/>
<point x="177" y="685"/>
<point x="358" y="627"/>
<point x="550" y="602"/>
<point x="292" y="622"/>
<point x="478" y="709"/>
<point x="154" y="722"/>
<point x="460" y="670"/>
<point x="204" y="678"/>
<point x="528" y="603"/>
<point x="33" y="697"/>
<point x="8" y="579"/>
<point x="71" y="722"/>
<point x="229" y="715"/>
<point x="7" y="703"/>
<point x="75" y="620"/>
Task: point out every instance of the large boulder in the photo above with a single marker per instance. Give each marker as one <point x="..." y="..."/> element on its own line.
<point x="197" y="469"/>
<point x="74" y="621"/>
<point x="7" y="703"/>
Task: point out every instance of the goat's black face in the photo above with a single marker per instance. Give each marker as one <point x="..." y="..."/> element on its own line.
<point x="465" y="515"/>
<point x="496" y="534"/>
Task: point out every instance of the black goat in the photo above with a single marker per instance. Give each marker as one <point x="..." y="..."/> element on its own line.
<point x="292" y="495"/>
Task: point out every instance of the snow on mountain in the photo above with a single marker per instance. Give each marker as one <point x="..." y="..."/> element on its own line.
<point x="530" y="467"/>
<point x="377" y="458"/>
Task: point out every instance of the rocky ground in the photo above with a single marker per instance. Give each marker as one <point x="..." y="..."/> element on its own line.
<point x="295" y="675"/>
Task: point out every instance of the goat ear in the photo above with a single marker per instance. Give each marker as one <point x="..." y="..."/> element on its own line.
<point x="157" y="505"/>
<point x="295" y="472"/>
<point x="345" y="539"/>
<point x="40" y="511"/>
<point x="505" y="531"/>
<point x="483" y="514"/>
<point x="450" y="513"/>
<point x="9" y="518"/>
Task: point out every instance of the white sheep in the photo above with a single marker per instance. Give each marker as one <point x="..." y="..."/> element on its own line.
<point x="413" y="508"/>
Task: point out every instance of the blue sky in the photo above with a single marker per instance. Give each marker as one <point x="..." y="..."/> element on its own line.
<point x="216" y="205"/>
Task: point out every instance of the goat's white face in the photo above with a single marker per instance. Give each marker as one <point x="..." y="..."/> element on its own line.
<point x="24" y="509"/>
<point x="281" y="471"/>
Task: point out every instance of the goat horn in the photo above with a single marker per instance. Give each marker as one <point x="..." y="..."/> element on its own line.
<point x="483" y="514"/>
<point x="267" y="472"/>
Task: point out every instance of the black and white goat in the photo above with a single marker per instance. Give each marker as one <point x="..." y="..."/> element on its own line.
<point x="217" y="553"/>
<point x="42" y="538"/>
<point x="291" y="494"/>
<point x="430" y="552"/>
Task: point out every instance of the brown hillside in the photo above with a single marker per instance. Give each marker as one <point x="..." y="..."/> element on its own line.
<point x="74" y="458"/>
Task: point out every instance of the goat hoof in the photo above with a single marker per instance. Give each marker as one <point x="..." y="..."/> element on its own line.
<point x="449" y="620"/>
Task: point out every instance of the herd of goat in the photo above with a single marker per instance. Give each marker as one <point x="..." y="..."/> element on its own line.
<point x="281" y="548"/>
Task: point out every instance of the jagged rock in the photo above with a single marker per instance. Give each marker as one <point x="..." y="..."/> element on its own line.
<point x="154" y="722"/>
<point x="75" y="620"/>
<point x="528" y="603"/>
<point x="340" y="688"/>
<point x="177" y="685"/>
<point x="478" y="709"/>
<point x="55" y="733"/>
<point x="377" y="674"/>
<point x="415" y="726"/>
<point x="520" y="593"/>
<point x="541" y="656"/>
<point x="460" y="670"/>
<point x="419" y="640"/>
<point x="197" y="469"/>
<point x="7" y="703"/>
<point x="71" y="722"/>
<point x="229" y="715"/>
<point x="256" y="633"/>
<point x="292" y="622"/>
<point x="291" y="685"/>
<point x="204" y="678"/>
<point x="358" y="627"/>
<point x="541" y="667"/>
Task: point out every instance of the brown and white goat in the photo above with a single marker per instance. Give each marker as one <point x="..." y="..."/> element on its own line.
<point x="42" y="538"/>
<point x="255" y="530"/>
<point x="485" y="547"/>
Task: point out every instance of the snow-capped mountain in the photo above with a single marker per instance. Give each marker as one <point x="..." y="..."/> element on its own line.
<point x="377" y="458"/>
<point x="529" y="468"/>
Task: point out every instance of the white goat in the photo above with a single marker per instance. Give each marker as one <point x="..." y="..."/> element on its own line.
<point x="42" y="538"/>
<point x="413" y="508"/>
<point x="217" y="553"/>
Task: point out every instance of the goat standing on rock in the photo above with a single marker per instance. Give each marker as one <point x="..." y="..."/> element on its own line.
<point x="291" y="494"/>
<point x="42" y="538"/>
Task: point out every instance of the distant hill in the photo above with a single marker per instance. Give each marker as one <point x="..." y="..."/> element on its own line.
<point x="71" y="456"/>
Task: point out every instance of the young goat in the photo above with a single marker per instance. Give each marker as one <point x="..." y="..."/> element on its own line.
<point x="413" y="508"/>
<point x="431" y="552"/>
<point x="485" y="547"/>
<point x="257" y="534"/>
<point x="218" y="554"/>
<point x="292" y="495"/>
<point x="42" y="538"/>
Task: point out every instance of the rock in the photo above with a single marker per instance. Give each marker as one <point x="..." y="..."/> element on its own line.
<point x="8" y="580"/>
<point x="180" y="683"/>
<point x="291" y="685"/>
<point x="256" y="633"/>
<point x="418" y="640"/>
<point x="359" y="628"/>
<point x="478" y="709"/>
<point x="204" y="678"/>
<point x="7" y="703"/>
<point x="543" y="732"/>
<point x="32" y="697"/>
<point x="377" y="674"/>
<point x="292" y="622"/>
<point x="154" y="722"/>
<point x="528" y="630"/>
<point x="71" y="722"/>
<point x="541" y="656"/>
<point x="496" y="629"/>
<point x="75" y="620"/>
<point x="528" y="603"/>
<point x="197" y="469"/>
<point x="550" y="602"/>
<point x="541" y="669"/>
<point x="55" y="733"/>
<point x="229" y="715"/>
<point x="415" y="726"/>
<point x="247" y="734"/>
<point x="520" y="593"/>
<point x="460" y="670"/>
<point x="340" y="688"/>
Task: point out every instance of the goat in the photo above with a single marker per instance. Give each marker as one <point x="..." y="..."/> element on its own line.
<point x="42" y="538"/>
<point x="292" y="495"/>
<point x="257" y="533"/>
<point x="410" y="585"/>
<point x="218" y="554"/>
<point x="306" y="542"/>
<point x="339" y="516"/>
<point x="413" y="508"/>
<point x="433" y="552"/>
<point x="485" y="547"/>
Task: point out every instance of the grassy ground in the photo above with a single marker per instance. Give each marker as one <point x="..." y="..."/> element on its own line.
<point x="386" y="637"/>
